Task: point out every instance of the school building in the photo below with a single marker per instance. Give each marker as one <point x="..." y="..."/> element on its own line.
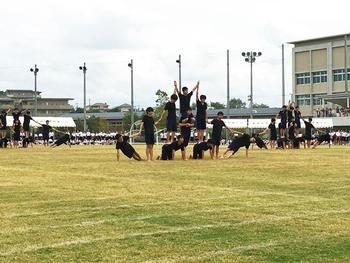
<point x="51" y="107"/>
<point x="321" y="73"/>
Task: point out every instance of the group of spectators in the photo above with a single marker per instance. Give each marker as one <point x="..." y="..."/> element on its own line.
<point x="332" y="112"/>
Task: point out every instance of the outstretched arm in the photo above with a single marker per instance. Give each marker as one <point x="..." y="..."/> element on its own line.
<point x="196" y="87"/>
<point x="233" y="131"/>
<point x="197" y="91"/>
<point x="263" y="132"/>
<point x="176" y="90"/>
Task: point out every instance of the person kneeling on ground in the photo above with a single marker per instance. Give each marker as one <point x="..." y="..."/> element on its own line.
<point x="323" y="138"/>
<point x="65" y="139"/>
<point x="242" y="141"/>
<point x="258" y="141"/>
<point x="126" y="148"/>
<point x="201" y="147"/>
<point x="168" y="150"/>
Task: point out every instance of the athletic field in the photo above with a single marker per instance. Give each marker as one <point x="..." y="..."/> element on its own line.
<point x="80" y="205"/>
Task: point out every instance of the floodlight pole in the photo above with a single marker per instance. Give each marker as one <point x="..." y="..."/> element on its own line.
<point x="35" y="70"/>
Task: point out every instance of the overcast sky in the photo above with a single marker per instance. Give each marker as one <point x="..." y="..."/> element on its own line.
<point x="60" y="35"/>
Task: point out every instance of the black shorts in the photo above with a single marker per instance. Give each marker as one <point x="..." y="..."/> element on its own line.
<point x="46" y="137"/>
<point x="4" y="128"/>
<point x="200" y="123"/>
<point x="273" y="137"/>
<point x="298" y="124"/>
<point x="167" y="153"/>
<point x="186" y="133"/>
<point x="26" y="128"/>
<point x="216" y="141"/>
<point x="149" y="138"/>
<point x="16" y="136"/>
<point x="308" y="137"/>
<point x="283" y="125"/>
<point x="171" y="125"/>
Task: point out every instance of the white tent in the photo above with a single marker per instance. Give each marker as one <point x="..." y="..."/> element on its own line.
<point x="264" y="123"/>
<point x="66" y="122"/>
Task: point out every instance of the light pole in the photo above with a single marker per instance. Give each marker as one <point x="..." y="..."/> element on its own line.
<point x="228" y="87"/>
<point x="178" y="61"/>
<point x="250" y="57"/>
<point x="84" y="68"/>
<point x="35" y="70"/>
<point x="131" y="66"/>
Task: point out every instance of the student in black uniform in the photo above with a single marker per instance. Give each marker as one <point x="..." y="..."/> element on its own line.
<point x="185" y="98"/>
<point x="65" y="139"/>
<point x="322" y="138"/>
<point x="3" y="128"/>
<point x="201" y="147"/>
<point x="46" y="131"/>
<point x="273" y="133"/>
<point x="168" y="150"/>
<point x="125" y="147"/>
<point x="308" y="131"/>
<point x="201" y="115"/>
<point x="290" y="112"/>
<point x="16" y="113"/>
<point x="17" y="133"/>
<point x="297" y="117"/>
<point x="242" y="141"/>
<point x="186" y="123"/>
<point x="149" y="125"/>
<point x="218" y="124"/>
<point x="26" y="128"/>
<point x="171" y="123"/>
<point x="283" y="124"/>
<point x="291" y="133"/>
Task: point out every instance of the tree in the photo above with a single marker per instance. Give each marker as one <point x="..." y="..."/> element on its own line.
<point x="237" y="104"/>
<point x="127" y="120"/>
<point x="260" y="106"/>
<point x="77" y="110"/>
<point x="96" y="124"/>
<point x="162" y="99"/>
<point x="217" y="105"/>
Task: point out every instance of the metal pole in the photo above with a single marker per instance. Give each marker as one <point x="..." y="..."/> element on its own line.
<point x="346" y="62"/>
<point x="228" y="89"/>
<point x="283" y="78"/>
<point x="251" y="86"/>
<point x="132" y="92"/>
<point x="84" y="71"/>
<point x="35" y="91"/>
<point x="180" y="72"/>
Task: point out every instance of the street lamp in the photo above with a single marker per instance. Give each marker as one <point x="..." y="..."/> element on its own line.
<point x="35" y="70"/>
<point x="250" y="57"/>
<point x="131" y="66"/>
<point x="83" y="68"/>
<point x="178" y="61"/>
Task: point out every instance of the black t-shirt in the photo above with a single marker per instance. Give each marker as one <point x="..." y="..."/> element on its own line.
<point x="201" y="109"/>
<point x="243" y="141"/>
<point x="176" y="146"/>
<point x="16" y="115"/>
<point x="273" y="130"/>
<point x="46" y="129"/>
<point x="3" y="119"/>
<point x="26" y="120"/>
<point x="185" y="101"/>
<point x="217" y="127"/>
<point x="171" y="108"/>
<point x="308" y="128"/>
<point x="259" y="142"/>
<point x="17" y="127"/>
<point x="148" y="124"/>
<point x="203" y="146"/>
<point x="125" y="147"/>
<point x="283" y="116"/>
<point x="290" y="114"/>
<point x="291" y="132"/>
<point x="297" y="115"/>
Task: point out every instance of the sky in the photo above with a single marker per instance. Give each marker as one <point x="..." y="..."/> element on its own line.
<point x="59" y="36"/>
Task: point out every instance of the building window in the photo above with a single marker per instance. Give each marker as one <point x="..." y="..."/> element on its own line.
<point x="319" y="77"/>
<point x="339" y="74"/>
<point x="303" y="78"/>
<point x="303" y="100"/>
<point x="316" y="101"/>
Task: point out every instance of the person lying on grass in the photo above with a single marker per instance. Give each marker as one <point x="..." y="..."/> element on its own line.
<point x="65" y="139"/>
<point x="242" y="141"/>
<point x="123" y="145"/>
<point x="168" y="150"/>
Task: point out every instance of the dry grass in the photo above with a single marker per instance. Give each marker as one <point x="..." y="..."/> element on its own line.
<point x="81" y="205"/>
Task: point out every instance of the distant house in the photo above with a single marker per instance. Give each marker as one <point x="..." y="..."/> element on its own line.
<point x="99" y="106"/>
<point x="124" y="107"/>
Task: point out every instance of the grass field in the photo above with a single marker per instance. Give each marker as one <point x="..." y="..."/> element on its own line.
<point x="80" y="205"/>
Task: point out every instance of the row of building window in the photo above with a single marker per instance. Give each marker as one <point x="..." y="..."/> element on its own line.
<point x="320" y="76"/>
<point x="305" y="100"/>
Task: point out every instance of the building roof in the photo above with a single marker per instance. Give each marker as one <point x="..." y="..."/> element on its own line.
<point x="32" y="99"/>
<point x="125" y="105"/>
<point x="22" y="90"/>
<point x="99" y="104"/>
<point x="319" y="38"/>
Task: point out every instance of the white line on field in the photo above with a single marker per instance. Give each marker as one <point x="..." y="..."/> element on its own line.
<point x="87" y="240"/>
